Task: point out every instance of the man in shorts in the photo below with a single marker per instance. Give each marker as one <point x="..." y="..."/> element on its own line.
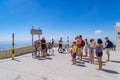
<point x="79" y="46"/>
<point x="60" y="42"/>
<point x="107" y="48"/>
<point x="53" y="42"/>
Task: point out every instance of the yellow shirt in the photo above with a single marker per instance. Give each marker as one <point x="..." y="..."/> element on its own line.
<point x="74" y="49"/>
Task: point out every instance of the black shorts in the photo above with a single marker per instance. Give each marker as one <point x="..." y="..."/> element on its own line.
<point x="99" y="54"/>
<point x="74" y="55"/>
<point x="43" y="46"/>
<point x="60" y="45"/>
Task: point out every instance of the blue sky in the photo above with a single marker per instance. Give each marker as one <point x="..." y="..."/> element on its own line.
<point x="58" y="18"/>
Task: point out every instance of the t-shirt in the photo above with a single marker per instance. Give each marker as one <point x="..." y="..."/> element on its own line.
<point x="108" y="44"/>
<point x="92" y="44"/>
<point x="60" y="41"/>
<point x="74" y="49"/>
<point x="79" y="43"/>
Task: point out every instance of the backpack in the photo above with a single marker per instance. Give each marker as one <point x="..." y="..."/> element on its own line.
<point x="110" y="44"/>
<point x="83" y="43"/>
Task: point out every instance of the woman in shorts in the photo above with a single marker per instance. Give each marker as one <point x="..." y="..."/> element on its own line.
<point x="99" y="53"/>
<point x="91" y="50"/>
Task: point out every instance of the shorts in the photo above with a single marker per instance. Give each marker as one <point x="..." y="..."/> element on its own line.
<point x="107" y="50"/>
<point x="91" y="50"/>
<point x="43" y="46"/>
<point x="99" y="54"/>
<point x="74" y="55"/>
<point x="60" y="45"/>
<point x="79" y="51"/>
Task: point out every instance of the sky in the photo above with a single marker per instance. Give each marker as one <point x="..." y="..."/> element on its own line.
<point x="58" y="18"/>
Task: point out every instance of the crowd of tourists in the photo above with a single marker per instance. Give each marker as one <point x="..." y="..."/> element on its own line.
<point x="90" y="47"/>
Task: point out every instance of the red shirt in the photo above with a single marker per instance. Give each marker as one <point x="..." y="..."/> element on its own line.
<point x="79" y="43"/>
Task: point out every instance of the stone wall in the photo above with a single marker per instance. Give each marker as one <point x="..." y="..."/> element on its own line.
<point x="117" y="27"/>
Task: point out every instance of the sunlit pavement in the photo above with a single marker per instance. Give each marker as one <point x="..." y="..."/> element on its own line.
<point x="59" y="67"/>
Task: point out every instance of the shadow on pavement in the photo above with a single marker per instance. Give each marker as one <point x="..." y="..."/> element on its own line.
<point x="86" y="61"/>
<point x="18" y="77"/>
<point x="110" y="71"/>
<point x="115" y="61"/>
<point x="86" y="58"/>
<point x="96" y="63"/>
<point x="49" y="58"/>
<point x="103" y="63"/>
<point x="81" y="65"/>
<point x="17" y="60"/>
<point x="46" y="58"/>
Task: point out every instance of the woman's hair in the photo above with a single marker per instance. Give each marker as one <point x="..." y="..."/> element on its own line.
<point x="99" y="41"/>
<point x="92" y="39"/>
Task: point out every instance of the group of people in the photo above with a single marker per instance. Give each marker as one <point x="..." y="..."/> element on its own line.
<point x="92" y="47"/>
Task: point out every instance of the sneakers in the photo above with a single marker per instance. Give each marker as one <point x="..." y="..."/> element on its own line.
<point x="73" y="63"/>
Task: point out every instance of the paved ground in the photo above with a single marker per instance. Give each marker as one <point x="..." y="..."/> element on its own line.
<point x="58" y="67"/>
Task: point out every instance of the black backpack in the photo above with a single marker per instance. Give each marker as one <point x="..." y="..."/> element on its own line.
<point x="110" y="44"/>
<point x="83" y="43"/>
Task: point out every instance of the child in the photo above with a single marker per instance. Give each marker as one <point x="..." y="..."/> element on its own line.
<point x="71" y="50"/>
<point x="74" y="51"/>
<point x="99" y="53"/>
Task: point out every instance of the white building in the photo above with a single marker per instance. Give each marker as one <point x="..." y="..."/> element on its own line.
<point x="117" y="27"/>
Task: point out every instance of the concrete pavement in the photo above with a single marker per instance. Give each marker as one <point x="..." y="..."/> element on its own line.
<point x="59" y="67"/>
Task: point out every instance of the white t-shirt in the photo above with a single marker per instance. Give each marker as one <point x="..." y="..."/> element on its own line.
<point x="91" y="44"/>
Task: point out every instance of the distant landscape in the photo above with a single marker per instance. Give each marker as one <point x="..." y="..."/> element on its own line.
<point x="19" y="50"/>
<point x="5" y="46"/>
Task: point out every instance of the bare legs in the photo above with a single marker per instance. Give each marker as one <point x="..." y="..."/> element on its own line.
<point x="108" y="54"/>
<point x="92" y="57"/>
<point x="99" y="63"/>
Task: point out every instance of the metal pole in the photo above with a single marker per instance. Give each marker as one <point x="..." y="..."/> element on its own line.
<point x="13" y="54"/>
<point x="32" y="37"/>
<point x="39" y="34"/>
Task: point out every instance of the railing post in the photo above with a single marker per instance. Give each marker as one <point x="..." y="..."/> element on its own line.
<point x="13" y="49"/>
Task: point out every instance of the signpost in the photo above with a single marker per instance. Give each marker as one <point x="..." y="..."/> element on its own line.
<point x="35" y="32"/>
